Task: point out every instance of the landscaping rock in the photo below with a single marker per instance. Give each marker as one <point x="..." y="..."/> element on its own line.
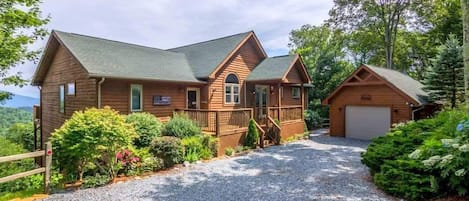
<point x="323" y="168"/>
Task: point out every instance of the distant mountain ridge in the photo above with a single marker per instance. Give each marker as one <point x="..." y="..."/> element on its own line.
<point x="18" y="101"/>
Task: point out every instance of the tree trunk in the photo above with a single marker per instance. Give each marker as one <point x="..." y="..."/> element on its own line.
<point x="465" y="10"/>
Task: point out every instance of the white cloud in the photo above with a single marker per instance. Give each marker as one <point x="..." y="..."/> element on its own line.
<point x="170" y="23"/>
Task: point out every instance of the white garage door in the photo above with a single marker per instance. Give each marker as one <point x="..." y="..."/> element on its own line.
<point x="366" y="122"/>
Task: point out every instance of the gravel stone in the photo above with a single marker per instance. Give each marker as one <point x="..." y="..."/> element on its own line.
<point x="322" y="168"/>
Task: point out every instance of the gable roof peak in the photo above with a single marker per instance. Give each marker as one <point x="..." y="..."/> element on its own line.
<point x="211" y="40"/>
<point x="59" y="33"/>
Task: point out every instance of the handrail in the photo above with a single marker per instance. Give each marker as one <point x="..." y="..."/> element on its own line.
<point x="286" y="107"/>
<point x="218" y="110"/>
<point x="261" y="136"/>
<point x="273" y="122"/>
<point x="259" y="127"/>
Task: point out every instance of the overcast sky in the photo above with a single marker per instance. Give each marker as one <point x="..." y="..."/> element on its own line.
<point x="171" y="23"/>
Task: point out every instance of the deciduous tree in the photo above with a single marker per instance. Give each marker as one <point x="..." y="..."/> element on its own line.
<point x="21" y="23"/>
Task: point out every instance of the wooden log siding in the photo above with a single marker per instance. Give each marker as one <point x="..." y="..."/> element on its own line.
<point x="64" y="69"/>
<point x="241" y="64"/>
<point x="381" y="95"/>
<point x="116" y="94"/>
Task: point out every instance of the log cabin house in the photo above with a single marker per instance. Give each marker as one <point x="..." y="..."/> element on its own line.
<point x="220" y="83"/>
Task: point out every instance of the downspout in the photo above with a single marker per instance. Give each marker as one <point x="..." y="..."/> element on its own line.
<point x="41" y="138"/>
<point x="416" y="110"/>
<point x="244" y="93"/>
<point x="99" y="91"/>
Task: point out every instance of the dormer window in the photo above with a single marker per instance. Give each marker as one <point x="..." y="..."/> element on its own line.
<point x="232" y="89"/>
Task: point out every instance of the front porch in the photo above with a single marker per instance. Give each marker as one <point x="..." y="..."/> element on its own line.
<point x="231" y="125"/>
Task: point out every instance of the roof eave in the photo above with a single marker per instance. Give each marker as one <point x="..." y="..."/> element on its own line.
<point x="97" y="75"/>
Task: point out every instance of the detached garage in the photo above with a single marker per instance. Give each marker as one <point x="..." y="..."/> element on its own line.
<point x="368" y="102"/>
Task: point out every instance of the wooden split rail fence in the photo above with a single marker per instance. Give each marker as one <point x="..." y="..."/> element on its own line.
<point x="46" y="156"/>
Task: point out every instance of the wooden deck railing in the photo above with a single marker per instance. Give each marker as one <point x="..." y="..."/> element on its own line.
<point x="220" y="120"/>
<point x="46" y="154"/>
<point x="286" y="113"/>
<point x="205" y="118"/>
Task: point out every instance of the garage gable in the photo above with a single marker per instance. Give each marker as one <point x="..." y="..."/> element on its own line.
<point x="366" y="75"/>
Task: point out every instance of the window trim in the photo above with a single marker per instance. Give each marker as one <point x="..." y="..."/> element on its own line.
<point x="62" y="98"/>
<point x="293" y="92"/>
<point x="232" y="94"/>
<point x="139" y="86"/>
<point x="74" y="89"/>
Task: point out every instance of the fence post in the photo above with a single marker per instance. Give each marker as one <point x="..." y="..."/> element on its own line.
<point x="47" y="165"/>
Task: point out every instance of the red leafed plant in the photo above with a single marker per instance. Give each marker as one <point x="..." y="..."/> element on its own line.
<point x="127" y="160"/>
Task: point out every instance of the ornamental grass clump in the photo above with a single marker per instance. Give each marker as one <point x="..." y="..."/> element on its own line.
<point x="88" y="142"/>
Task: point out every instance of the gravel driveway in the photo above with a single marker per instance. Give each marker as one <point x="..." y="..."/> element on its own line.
<point x="323" y="168"/>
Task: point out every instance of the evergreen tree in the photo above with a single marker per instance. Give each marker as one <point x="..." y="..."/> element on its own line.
<point x="445" y="79"/>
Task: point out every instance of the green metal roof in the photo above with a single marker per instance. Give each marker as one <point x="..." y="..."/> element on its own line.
<point x="205" y="56"/>
<point x="107" y="58"/>
<point x="403" y="82"/>
<point x="272" y="68"/>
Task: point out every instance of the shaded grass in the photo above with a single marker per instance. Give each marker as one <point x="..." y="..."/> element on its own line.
<point x="20" y="194"/>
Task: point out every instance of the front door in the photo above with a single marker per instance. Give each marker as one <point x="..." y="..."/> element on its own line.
<point x="193" y="98"/>
<point x="262" y="96"/>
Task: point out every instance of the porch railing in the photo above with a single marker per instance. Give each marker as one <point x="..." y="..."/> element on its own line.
<point x="286" y="113"/>
<point x="220" y="121"/>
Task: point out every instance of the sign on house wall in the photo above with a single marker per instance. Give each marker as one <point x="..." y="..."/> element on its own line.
<point x="161" y="100"/>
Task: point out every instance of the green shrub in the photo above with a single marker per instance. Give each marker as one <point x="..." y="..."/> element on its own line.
<point x="95" y="181"/>
<point x="148" y="162"/>
<point x="199" y="147"/>
<point x="252" y="135"/>
<point x="89" y="140"/>
<point x="181" y="126"/>
<point x="312" y="119"/>
<point x="169" y="149"/>
<point x="147" y="127"/>
<point x="229" y="151"/>
<point x="397" y="167"/>
<point x="405" y="178"/>
<point x="403" y="139"/>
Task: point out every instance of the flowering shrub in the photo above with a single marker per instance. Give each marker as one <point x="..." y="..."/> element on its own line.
<point x="407" y="161"/>
<point x="450" y="159"/>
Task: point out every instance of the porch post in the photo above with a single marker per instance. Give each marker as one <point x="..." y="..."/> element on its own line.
<point x="279" y="102"/>
<point x="217" y="123"/>
<point x="302" y="101"/>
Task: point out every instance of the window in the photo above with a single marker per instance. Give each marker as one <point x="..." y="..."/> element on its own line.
<point x="135" y="97"/>
<point x="232" y="89"/>
<point x="71" y="88"/>
<point x="62" y="98"/>
<point x="295" y="92"/>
